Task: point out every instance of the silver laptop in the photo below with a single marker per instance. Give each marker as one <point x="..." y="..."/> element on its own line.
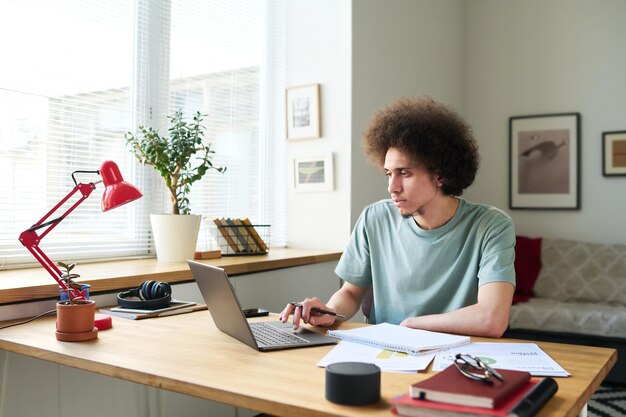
<point x="225" y="309"/>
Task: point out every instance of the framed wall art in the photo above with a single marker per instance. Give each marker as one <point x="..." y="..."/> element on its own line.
<point x="313" y="173"/>
<point x="614" y="154"/>
<point x="544" y="159"/>
<point x="303" y="112"/>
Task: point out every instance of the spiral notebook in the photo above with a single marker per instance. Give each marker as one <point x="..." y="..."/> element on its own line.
<point x="400" y="338"/>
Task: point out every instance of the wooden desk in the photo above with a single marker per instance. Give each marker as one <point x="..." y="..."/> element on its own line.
<point x="206" y="363"/>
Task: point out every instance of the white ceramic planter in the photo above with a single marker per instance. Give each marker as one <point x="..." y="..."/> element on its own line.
<point x="175" y="236"/>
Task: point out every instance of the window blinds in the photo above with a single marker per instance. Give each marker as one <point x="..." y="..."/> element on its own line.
<point x="78" y="74"/>
<point x="238" y="83"/>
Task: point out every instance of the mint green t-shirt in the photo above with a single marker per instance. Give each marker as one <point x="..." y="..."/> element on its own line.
<point x="416" y="272"/>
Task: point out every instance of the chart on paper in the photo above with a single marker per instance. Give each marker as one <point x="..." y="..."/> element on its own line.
<point x="515" y="356"/>
<point x="386" y="360"/>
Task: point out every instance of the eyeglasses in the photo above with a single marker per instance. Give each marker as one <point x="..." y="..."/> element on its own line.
<point x="475" y="369"/>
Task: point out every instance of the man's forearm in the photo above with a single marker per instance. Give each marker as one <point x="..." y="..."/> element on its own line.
<point x="472" y="321"/>
<point x="345" y="301"/>
<point x="489" y="317"/>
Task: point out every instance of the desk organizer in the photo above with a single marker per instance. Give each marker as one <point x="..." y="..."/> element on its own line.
<point x="241" y="237"/>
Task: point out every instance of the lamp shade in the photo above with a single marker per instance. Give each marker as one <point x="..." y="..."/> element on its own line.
<point x="116" y="191"/>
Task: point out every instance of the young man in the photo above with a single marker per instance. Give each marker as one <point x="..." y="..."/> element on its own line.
<point x="433" y="261"/>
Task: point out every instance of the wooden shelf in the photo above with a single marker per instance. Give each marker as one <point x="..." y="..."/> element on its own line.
<point x="19" y="285"/>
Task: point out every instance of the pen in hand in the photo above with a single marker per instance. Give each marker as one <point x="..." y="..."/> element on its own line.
<point x="320" y="310"/>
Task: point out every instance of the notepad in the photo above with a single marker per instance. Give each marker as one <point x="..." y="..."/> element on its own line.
<point x="452" y="387"/>
<point x="405" y="405"/>
<point x="400" y="338"/>
<point x="176" y="307"/>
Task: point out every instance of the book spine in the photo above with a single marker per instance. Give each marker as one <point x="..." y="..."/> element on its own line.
<point x="238" y="234"/>
<point x="224" y="230"/>
<point x="257" y="238"/>
<point x="535" y="399"/>
<point x="249" y="241"/>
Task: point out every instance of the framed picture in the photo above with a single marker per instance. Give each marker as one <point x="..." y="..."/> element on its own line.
<point x="544" y="159"/>
<point x="303" y="112"/>
<point x="614" y="154"/>
<point x="313" y="173"/>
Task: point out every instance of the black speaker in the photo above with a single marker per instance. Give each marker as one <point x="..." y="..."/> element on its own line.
<point x="151" y="295"/>
<point x="352" y="383"/>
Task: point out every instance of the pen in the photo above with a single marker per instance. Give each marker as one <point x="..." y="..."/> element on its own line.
<point x="320" y="310"/>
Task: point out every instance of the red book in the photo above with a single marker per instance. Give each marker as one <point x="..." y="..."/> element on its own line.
<point x="452" y="387"/>
<point x="405" y="405"/>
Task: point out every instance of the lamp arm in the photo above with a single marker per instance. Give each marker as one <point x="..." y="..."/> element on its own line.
<point x="83" y="172"/>
<point x="30" y="239"/>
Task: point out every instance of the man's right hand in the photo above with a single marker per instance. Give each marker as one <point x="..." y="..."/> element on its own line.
<point x="302" y="311"/>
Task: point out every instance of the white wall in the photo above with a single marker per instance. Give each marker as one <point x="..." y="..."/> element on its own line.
<point x="364" y="54"/>
<point x="400" y="48"/>
<point x="318" y="51"/>
<point x="489" y="59"/>
<point x="534" y="57"/>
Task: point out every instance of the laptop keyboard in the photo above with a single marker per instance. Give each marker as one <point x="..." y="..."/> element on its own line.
<point x="268" y="335"/>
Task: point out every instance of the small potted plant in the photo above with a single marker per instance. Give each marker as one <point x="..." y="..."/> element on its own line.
<point x="68" y="278"/>
<point x="181" y="158"/>
<point x="75" y="316"/>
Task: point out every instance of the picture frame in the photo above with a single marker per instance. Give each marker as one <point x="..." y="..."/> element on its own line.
<point x="313" y="173"/>
<point x="544" y="161"/>
<point x="302" y="110"/>
<point x="614" y="154"/>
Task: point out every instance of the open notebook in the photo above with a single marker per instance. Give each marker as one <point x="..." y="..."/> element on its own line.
<point x="400" y="338"/>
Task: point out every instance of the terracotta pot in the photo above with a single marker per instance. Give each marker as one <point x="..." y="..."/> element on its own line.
<point x="75" y="322"/>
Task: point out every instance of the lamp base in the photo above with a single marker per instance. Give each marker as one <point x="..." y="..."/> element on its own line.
<point x="103" y="322"/>
<point x="77" y="337"/>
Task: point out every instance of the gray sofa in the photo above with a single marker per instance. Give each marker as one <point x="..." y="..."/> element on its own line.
<point x="579" y="297"/>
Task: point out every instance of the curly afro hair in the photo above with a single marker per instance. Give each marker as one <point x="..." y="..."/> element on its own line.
<point x="431" y="134"/>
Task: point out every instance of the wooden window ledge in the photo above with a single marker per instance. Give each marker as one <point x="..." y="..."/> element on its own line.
<point x="22" y="285"/>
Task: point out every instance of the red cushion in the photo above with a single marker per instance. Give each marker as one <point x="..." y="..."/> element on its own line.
<point x="527" y="266"/>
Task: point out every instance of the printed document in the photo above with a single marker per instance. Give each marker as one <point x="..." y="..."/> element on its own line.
<point x="386" y="360"/>
<point x="514" y="356"/>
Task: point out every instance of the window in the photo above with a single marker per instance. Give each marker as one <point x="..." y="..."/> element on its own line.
<point x="78" y="74"/>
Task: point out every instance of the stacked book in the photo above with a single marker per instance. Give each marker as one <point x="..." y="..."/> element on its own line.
<point x="451" y="394"/>
<point x="238" y="236"/>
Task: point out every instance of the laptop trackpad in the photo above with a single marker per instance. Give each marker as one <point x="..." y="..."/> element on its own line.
<point x="302" y="332"/>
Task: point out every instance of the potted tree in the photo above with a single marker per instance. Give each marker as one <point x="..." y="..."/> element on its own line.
<point x="181" y="158"/>
<point x="75" y="317"/>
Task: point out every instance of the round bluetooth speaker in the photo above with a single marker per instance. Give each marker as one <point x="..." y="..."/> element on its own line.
<point x="352" y="383"/>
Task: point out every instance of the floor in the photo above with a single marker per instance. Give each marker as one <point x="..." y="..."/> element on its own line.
<point x="608" y="401"/>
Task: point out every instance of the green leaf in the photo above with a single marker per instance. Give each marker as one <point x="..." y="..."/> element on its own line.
<point x="173" y="152"/>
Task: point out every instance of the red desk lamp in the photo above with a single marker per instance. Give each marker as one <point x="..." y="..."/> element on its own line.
<point x="116" y="193"/>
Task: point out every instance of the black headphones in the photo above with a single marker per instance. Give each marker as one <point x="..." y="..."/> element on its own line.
<point x="150" y="295"/>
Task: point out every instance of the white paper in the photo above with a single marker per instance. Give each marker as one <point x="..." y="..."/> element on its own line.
<point x="400" y="338"/>
<point x="514" y="356"/>
<point x="386" y="360"/>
